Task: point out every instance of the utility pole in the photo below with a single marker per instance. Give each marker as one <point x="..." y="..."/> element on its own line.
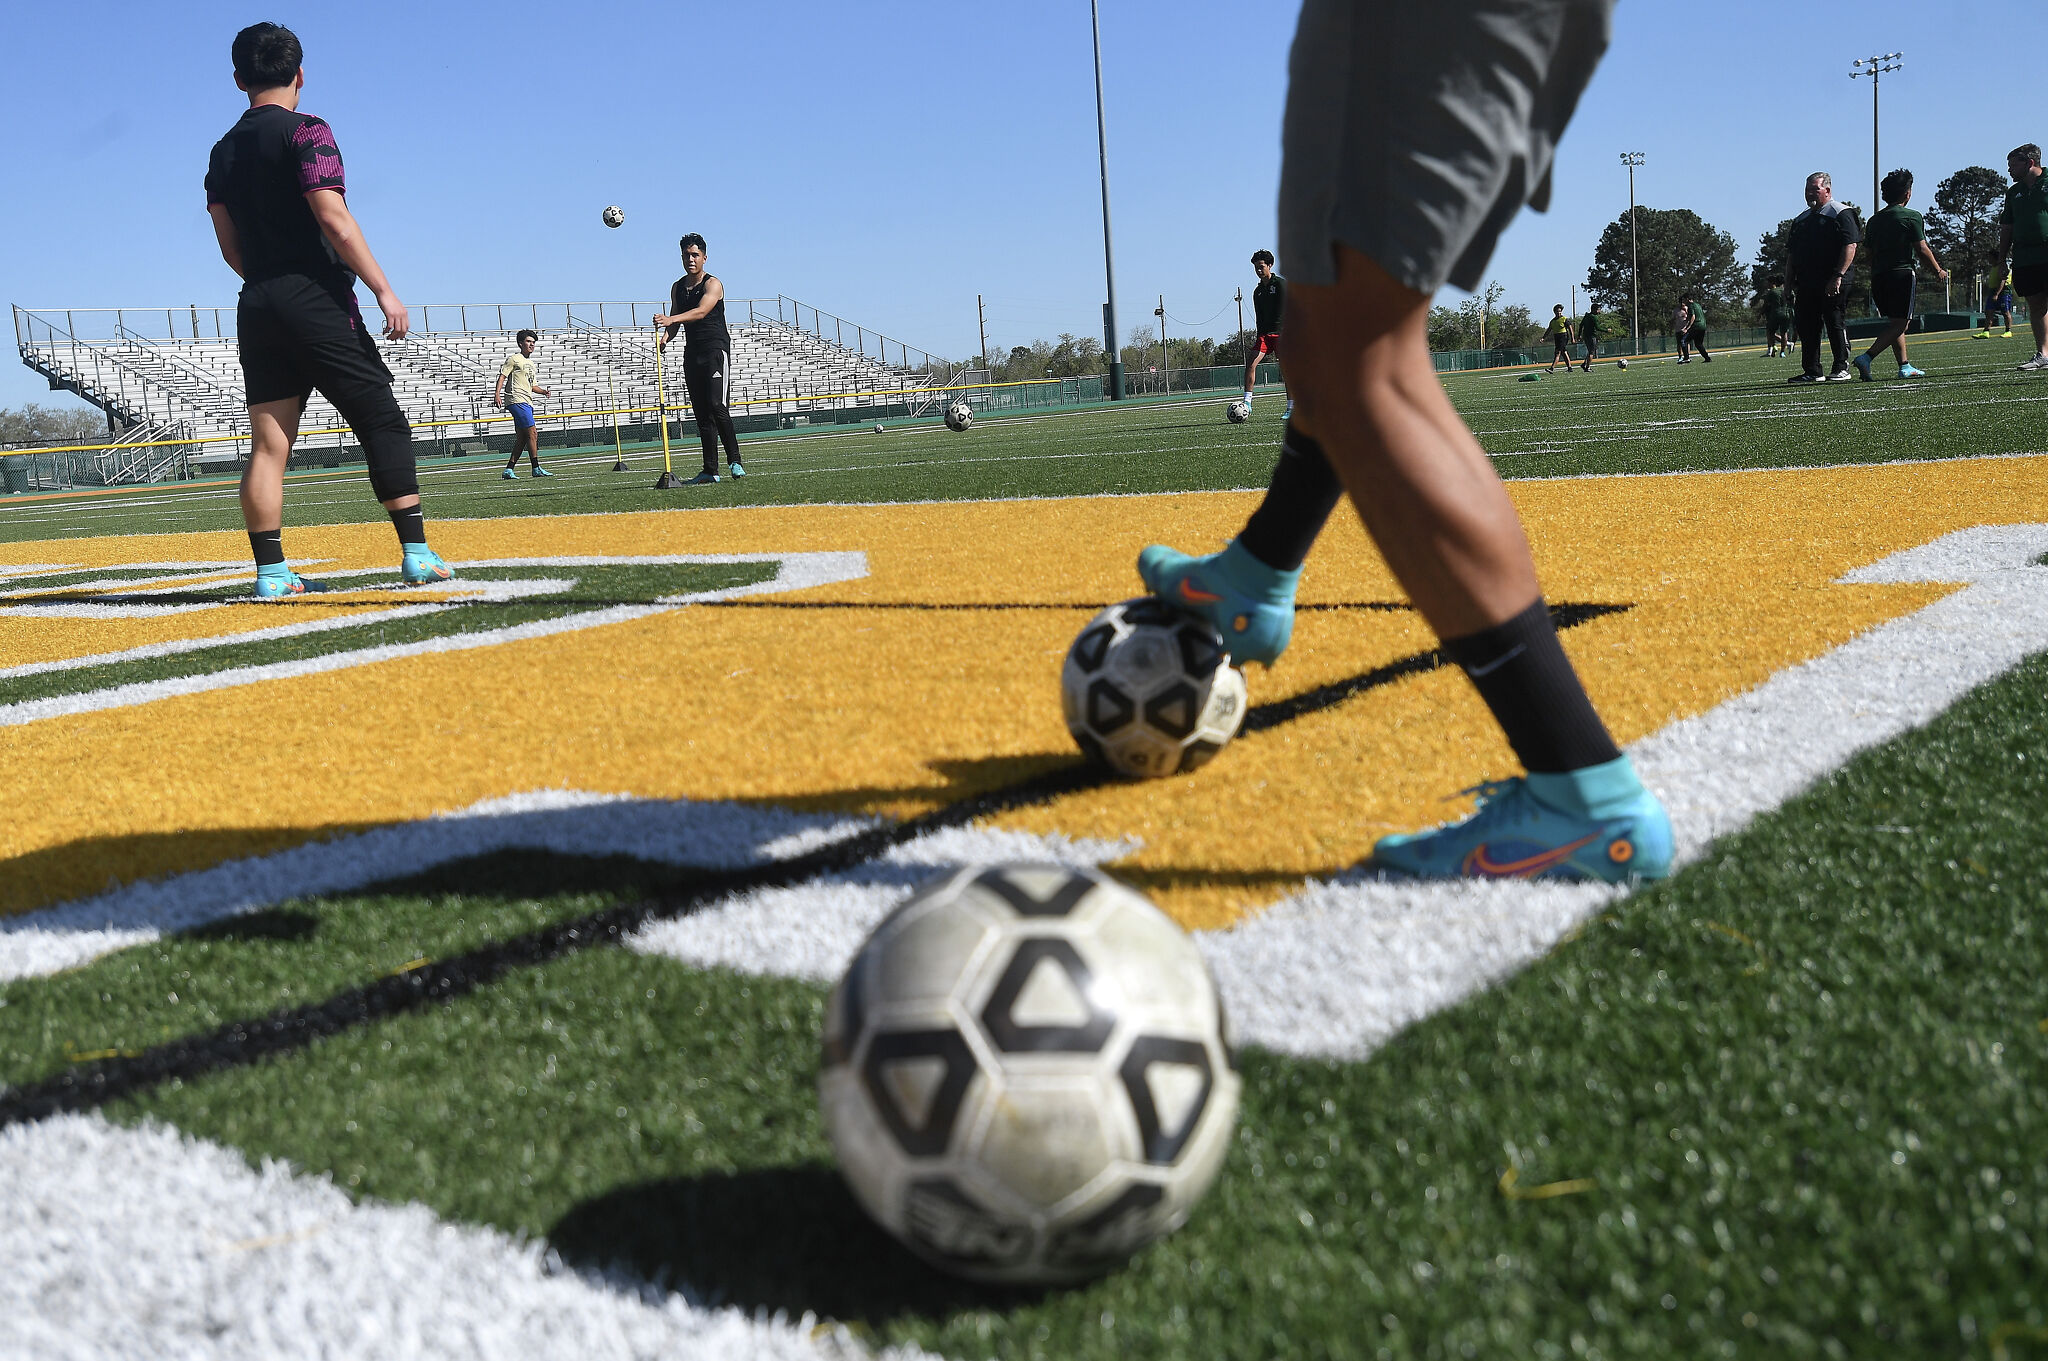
<point x="1116" y="363"/>
<point x="1882" y="64"/>
<point x="1632" y="159"/>
<point x="1240" y="310"/>
<point x="1165" y="357"/>
<point x="981" y="316"/>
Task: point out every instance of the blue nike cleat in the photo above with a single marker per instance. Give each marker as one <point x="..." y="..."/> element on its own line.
<point x="1908" y="371"/>
<point x="539" y="471"/>
<point x="279" y="582"/>
<point x="1526" y="828"/>
<point x="510" y="474"/>
<point x="423" y="566"/>
<point x="1862" y="363"/>
<point x="1249" y="603"/>
<point x="735" y="470"/>
<point x="702" y="480"/>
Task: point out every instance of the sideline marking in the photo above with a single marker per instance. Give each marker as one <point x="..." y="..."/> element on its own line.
<point x="796" y="571"/>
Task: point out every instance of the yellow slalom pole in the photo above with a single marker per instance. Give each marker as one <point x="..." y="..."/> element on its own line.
<point x="611" y="392"/>
<point x="668" y="473"/>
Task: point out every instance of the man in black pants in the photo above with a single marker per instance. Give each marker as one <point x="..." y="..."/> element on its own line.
<point x="1823" y="245"/>
<point x="697" y="305"/>
<point x="276" y="193"/>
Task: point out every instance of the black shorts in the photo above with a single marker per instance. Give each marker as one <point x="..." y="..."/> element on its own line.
<point x="1892" y="293"/>
<point x="2030" y="281"/>
<point x="297" y="333"/>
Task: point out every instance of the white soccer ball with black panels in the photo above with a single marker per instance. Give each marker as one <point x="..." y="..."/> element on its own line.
<point x="1621" y="363"/>
<point x="1148" y="690"/>
<point x="959" y="416"/>
<point x="614" y="216"/>
<point x="1238" y="411"/>
<point x="1027" y="1076"/>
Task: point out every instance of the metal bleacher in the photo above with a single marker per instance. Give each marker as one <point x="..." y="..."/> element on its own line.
<point x="177" y="371"/>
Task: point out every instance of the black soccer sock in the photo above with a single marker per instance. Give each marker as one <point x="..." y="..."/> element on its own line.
<point x="410" y="524"/>
<point x="513" y="461"/>
<point x="1523" y="675"/>
<point x="267" y="545"/>
<point x="1303" y="492"/>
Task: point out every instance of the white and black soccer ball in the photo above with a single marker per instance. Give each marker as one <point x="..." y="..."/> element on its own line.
<point x="959" y="416"/>
<point x="878" y="427"/>
<point x="1148" y="690"/>
<point x="1027" y="1076"/>
<point x="614" y="216"/>
<point x="1621" y="363"/>
<point x="1238" y="411"/>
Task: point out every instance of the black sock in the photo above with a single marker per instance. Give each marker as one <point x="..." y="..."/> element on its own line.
<point x="410" y="524"/>
<point x="267" y="545"/>
<point x="1303" y="492"/>
<point x="514" y="461"/>
<point x="1525" y="678"/>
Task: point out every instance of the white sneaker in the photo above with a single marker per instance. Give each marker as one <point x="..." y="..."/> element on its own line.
<point x="2038" y="362"/>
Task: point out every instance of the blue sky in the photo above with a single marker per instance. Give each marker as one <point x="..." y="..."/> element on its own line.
<point x="889" y="161"/>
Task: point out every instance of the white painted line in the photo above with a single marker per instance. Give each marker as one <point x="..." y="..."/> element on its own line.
<point x="143" y="1242"/>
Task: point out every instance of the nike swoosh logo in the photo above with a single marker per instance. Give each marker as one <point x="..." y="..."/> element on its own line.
<point x="1497" y="663"/>
<point x="1196" y="596"/>
<point x="1480" y="865"/>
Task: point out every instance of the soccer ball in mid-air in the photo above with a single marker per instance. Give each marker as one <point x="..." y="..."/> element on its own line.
<point x="1239" y="411"/>
<point x="1026" y="1074"/>
<point x="1621" y="363"/>
<point x="1148" y="690"/>
<point x="614" y="216"/>
<point x="959" y="416"/>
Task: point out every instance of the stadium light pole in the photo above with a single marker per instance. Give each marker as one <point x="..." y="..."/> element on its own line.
<point x="1882" y="64"/>
<point x="1632" y="159"/>
<point x="1116" y="363"/>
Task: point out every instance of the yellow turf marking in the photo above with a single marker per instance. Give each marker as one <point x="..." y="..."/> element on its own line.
<point x="1549" y="1190"/>
<point x="896" y="711"/>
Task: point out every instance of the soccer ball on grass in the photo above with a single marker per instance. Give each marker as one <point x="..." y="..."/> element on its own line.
<point x="1148" y="690"/>
<point x="1026" y="1074"/>
<point x="959" y="416"/>
<point x="1238" y="411"/>
<point x="614" y="215"/>
<point x="1621" y="363"/>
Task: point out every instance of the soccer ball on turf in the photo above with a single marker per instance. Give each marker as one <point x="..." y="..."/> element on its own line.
<point x="1621" y="363"/>
<point x="1026" y="1074"/>
<point x="959" y="416"/>
<point x="1148" y="690"/>
<point x="614" y="215"/>
<point x="1239" y="411"/>
<point x="878" y="428"/>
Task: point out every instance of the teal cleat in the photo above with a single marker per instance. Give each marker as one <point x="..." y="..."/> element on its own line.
<point x="735" y="470"/>
<point x="423" y="566"/>
<point x="1862" y="363"/>
<point x="1249" y="603"/>
<point x="1908" y="371"/>
<point x="702" y="480"/>
<point x="510" y="474"/>
<point x="1526" y="828"/>
<point x="279" y="582"/>
<point x="539" y="471"/>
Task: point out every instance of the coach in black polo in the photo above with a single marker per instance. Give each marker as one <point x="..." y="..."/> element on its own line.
<point x="1824" y="240"/>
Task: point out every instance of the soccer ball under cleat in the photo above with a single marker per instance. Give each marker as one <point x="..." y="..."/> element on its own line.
<point x="1026" y="1076"/>
<point x="1148" y="690"/>
<point x="959" y="416"/>
<point x="614" y="216"/>
<point x="1238" y="411"/>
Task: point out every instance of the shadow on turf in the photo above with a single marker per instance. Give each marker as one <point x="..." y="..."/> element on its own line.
<point x="778" y="1239"/>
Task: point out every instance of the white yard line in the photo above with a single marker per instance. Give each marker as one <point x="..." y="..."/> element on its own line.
<point x="143" y="1242"/>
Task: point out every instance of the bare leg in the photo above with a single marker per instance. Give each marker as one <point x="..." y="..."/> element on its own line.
<point x="273" y="426"/>
<point x="1251" y="366"/>
<point x="1893" y="336"/>
<point x="2037" y="310"/>
<point x="1357" y="353"/>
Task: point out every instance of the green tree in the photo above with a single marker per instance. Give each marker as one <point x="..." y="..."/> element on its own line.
<point x="1963" y="225"/>
<point x="31" y="424"/>
<point x="1679" y="252"/>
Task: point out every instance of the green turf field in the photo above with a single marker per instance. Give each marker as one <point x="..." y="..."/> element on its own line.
<point x="1792" y="1103"/>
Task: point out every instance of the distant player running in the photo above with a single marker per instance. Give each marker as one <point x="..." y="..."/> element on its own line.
<point x="1409" y="146"/>
<point x="1777" y="319"/>
<point x="697" y="305"/>
<point x="1894" y="238"/>
<point x="1589" y="335"/>
<point x="1560" y="333"/>
<point x="1269" y="304"/>
<point x="515" y="393"/>
<point x="1997" y="307"/>
<point x="275" y="191"/>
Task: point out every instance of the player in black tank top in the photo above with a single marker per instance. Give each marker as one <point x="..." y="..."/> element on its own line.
<point x="697" y="307"/>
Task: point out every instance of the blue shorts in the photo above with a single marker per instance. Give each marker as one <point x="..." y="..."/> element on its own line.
<point x="522" y="415"/>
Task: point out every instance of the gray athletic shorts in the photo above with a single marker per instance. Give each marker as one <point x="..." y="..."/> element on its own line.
<point x="1417" y="129"/>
